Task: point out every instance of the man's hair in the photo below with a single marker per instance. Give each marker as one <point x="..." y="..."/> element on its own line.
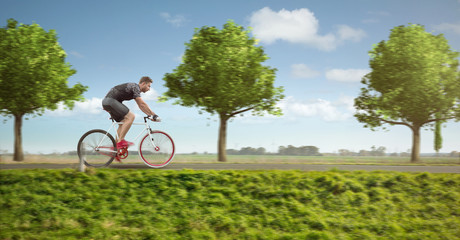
<point x="145" y="79"/>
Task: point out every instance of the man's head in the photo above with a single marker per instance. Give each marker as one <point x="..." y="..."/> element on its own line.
<point x="145" y="83"/>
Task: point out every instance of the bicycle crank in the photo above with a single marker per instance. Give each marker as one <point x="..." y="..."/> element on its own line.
<point x="122" y="153"/>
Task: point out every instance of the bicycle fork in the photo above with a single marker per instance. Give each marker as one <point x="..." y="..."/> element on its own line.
<point x="149" y="132"/>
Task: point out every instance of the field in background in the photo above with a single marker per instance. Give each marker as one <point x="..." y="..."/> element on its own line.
<point x="211" y="158"/>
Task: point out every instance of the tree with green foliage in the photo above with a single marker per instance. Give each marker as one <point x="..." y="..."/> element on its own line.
<point x="414" y="82"/>
<point x="222" y="73"/>
<point x="437" y="135"/>
<point x="299" y="151"/>
<point x="33" y="75"/>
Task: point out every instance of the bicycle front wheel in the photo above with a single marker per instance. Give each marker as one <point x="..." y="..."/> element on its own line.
<point x="97" y="148"/>
<point x="156" y="149"/>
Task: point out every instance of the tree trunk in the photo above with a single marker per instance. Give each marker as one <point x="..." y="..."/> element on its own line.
<point x="415" y="156"/>
<point x="222" y="145"/>
<point x="18" y="153"/>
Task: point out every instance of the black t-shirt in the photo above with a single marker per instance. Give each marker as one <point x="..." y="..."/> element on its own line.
<point x="125" y="91"/>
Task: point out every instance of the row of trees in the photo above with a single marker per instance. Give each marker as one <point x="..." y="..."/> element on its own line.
<point x="314" y="151"/>
<point x="380" y="151"/>
<point x="247" y="151"/>
<point x="297" y="152"/>
<point x="285" y="151"/>
<point x="414" y="82"/>
<point x="365" y="153"/>
<point x="453" y="154"/>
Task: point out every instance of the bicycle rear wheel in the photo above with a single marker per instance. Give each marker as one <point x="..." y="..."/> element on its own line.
<point x="156" y="149"/>
<point x="97" y="147"/>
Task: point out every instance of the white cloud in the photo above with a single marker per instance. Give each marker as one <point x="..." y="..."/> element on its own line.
<point x="346" y="33"/>
<point x="294" y="110"/>
<point x="176" y="20"/>
<point x="370" y="21"/>
<point x="298" y="26"/>
<point x="93" y="106"/>
<point x="340" y="110"/>
<point x="89" y="106"/>
<point x="76" y="54"/>
<point x="303" y="71"/>
<point x="346" y="75"/>
<point x="448" y="27"/>
<point x="179" y="59"/>
<point x="347" y="102"/>
<point x="150" y="95"/>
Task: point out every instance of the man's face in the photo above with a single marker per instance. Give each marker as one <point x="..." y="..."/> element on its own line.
<point x="145" y="86"/>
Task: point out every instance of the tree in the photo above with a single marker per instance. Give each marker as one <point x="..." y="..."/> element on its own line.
<point x="247" y="151"/>
<point x="222" y="73"/>
<point x="437" y="136"/>
<point x="33" y="75"/>
<point x="377" y="151"/>
<point x="414" y="82"/>
<point x="345" y="152"/>
<point x="454" y="154"/>
<point x="364" y="153"/>
<point x="299" y="151"/>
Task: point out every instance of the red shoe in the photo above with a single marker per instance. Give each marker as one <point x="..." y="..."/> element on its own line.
<point x="124" y="144"/>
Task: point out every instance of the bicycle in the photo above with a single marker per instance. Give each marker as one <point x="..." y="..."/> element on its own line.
<point x="98" y="148"/>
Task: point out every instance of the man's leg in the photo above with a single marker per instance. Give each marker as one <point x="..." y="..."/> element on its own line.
<point x="124" y="128"/>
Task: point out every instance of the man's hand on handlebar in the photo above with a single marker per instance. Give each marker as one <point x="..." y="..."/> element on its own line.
<point x="154" y="118"/>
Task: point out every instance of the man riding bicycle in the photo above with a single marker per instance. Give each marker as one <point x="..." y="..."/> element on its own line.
<point x="113" y="103"/>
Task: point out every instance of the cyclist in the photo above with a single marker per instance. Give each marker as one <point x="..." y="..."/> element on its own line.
<point x="113" y="103"/>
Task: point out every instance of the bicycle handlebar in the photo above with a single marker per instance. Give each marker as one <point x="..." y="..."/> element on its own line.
<point x="154" y="118"/>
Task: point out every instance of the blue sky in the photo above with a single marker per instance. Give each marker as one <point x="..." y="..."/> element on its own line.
<point x="320" y="49"/>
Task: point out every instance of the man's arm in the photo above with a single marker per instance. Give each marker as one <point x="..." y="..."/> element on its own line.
<point x="143" y="106"/>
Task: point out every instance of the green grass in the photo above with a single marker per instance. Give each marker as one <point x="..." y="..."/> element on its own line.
<point x="316" y="159"/>
<point x="209" y="158"/>
<point x="187" y="204"/>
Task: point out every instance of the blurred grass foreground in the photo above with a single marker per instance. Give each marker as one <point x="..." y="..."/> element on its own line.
<point x="188" y="204"/>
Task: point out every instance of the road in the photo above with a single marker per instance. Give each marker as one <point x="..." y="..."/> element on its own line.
<point x="230" y="166"/>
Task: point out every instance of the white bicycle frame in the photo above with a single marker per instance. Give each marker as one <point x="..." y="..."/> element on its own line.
<point x="146" y="128"/>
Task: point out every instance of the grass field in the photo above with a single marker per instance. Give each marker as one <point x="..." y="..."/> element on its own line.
<point x="187" y="204"/>
<point x="201" y="158"/>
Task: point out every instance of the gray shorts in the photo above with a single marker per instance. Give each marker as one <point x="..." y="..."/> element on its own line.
<point x="116" y="109"/>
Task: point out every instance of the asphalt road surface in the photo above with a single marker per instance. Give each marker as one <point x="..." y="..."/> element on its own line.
<point x="230" y="166"/>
